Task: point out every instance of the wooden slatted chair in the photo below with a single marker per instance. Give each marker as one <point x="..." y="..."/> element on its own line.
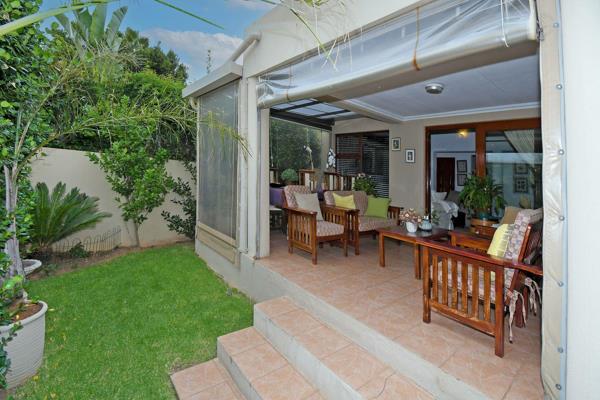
<point x="491" y="283"/>
<point x="305" y="232"/>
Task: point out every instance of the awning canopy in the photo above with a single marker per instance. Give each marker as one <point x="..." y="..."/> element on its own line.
<point x="435" y="39"/>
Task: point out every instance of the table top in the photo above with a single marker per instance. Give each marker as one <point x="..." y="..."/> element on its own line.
<point x="400" y="232"/>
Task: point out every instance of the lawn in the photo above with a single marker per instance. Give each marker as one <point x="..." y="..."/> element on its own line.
<point x="116" y="330"/>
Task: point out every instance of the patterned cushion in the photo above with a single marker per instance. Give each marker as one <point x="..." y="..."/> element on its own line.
<point x="325" y="228"/>
<point x="524" y="218"/>
<point x="290" y="194"/>
<point x="360" y="199"/>
<point x="371" y="223"/>
<point x="470" y="281"/>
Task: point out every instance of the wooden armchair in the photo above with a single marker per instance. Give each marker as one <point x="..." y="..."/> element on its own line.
<point x="360" y="224"/>
<point x="307" y="233"/>
<point x="464" y="283"/>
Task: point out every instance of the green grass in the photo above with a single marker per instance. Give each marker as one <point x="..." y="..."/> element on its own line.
<point x="116" y="330"/>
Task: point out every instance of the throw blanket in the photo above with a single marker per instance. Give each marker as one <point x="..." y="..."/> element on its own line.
<point x="448" y="207"/>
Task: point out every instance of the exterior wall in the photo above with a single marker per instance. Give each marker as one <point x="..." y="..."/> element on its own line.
<point x="75" y="170"/>
<point x="581" y="87"/>
<point x="407" y="181"/>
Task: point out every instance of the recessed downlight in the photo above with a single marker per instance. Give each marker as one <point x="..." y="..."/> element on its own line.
<point x="434" y="88"/>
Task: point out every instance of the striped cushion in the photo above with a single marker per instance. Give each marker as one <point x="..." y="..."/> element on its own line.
<point x="290" y="194"/>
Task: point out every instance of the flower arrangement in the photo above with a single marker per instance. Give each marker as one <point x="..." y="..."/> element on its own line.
<point x="411" y="215"/>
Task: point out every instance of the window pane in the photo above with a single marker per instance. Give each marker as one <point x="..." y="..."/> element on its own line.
<point x="297" y="146"/>
<point x="514" y="160"/>
<point x="217" y="163"/>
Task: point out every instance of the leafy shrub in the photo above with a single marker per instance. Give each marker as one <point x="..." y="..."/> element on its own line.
<point x="289" y="175"/>
<point x="187" y="200"/>
<point x="61" y="214"/>
<point x="365" y="184"/>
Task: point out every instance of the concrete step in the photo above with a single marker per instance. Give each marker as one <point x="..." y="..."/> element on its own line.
<point x="206" y="381"/>
<point x="331" y="362"/>
<point x="259" y="370"/>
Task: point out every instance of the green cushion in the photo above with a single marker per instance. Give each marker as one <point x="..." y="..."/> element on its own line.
<point x="377" y="207"/>
<point x="344" y="201"/>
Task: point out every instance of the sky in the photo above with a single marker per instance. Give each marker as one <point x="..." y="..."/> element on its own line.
<point x="187" y="36"/>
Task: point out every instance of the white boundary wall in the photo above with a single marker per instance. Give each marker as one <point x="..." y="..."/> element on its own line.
<point x="75" y="170"/>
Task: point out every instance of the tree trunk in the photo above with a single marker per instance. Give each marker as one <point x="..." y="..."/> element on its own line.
<point x="136" y="234"/>
<point x="12" y="244"/>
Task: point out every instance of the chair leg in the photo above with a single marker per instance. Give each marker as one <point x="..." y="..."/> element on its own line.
<point x="357" y="245"/>
<point x="314" y="256"/>
<point x="345" y="244"/>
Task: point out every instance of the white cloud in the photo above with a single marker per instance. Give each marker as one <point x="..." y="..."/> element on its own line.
<point x="251" y="4"/>
<point x="192" y="47"/>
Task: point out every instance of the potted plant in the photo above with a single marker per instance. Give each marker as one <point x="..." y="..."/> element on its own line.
<point x="482" y="196"/>
<point x="289" y="176"/>
<point x="22" y="327"/>
<point x="365" y="184"/>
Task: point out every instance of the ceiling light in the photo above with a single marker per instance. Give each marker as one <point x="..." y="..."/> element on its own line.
<point x="434" y="88"/>
<point x="462" y="133"/>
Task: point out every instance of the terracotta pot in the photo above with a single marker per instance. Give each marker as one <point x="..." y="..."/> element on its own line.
<point x="26" y="349"/>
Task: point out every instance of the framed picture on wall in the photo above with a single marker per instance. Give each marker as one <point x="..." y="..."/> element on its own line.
<point x="461" y="166"/>
<point x="409" y="156"/>
<point x="460" y="179"/>
<point x="520" y="184"/>
<point x="520" y="169"/>
<point x="396" y="144"/>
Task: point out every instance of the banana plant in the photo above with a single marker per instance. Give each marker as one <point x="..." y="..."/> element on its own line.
<point x="90" y="29"/>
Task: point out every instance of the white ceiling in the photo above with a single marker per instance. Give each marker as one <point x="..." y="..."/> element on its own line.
<point x="505" y="85"/>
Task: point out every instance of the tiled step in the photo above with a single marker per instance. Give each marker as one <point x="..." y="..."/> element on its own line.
<point x="259" y="371"/>
<point x="331" y="362"/>
<point x="206" y="381"/>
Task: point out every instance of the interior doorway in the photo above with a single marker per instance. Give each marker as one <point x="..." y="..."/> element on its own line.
<point x="444" y="174"/>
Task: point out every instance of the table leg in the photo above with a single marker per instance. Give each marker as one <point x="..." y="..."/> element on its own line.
<point x="417" y="257"/>
<point x="381" y="250"/>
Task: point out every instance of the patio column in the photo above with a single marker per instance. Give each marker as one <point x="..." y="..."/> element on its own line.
<point x="581" y="63"/>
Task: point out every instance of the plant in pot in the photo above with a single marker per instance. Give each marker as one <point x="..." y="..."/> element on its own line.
<point x="482" y="196"/>
<point x="289" y="176"/>
<point x="365" y="184"/>
<point x="411" y="219"/>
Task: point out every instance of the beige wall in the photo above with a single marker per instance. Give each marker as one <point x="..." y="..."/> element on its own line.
<point x="407" y="181"/>
<point x="75" y="170"/>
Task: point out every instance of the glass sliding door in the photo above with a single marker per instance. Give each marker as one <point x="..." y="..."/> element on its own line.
<point x="513" y="158"/>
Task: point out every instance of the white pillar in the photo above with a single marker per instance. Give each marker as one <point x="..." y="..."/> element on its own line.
<point x="581" y="60"/>
<point x="253" y="170"/>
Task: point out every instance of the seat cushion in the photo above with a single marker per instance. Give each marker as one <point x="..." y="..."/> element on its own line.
<point x="360" y="199"/>
<point x="309" y="202"/>
<point x="500" y="241"/>
<point x="326" y="228"/>
<point x="377" y="207"/>
<point x="507" y="278"/>
<point x="344" y="201"/>
<point x="290" y="194"/>
<point x="371" y="223"/>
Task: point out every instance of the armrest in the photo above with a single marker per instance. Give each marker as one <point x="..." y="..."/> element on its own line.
<point x="301" y="211"/>
<point x="478" y="256"/>
<point x="335" y="209"/>
<point x="469" y="240"/>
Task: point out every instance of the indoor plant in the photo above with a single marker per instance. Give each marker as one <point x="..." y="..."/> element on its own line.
<point x="482" y="196"/>
<point x="366" y="184"/>
<point x="289" y="176"/>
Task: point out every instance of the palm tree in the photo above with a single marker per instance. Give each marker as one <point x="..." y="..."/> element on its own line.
<point x="59" y="214"/>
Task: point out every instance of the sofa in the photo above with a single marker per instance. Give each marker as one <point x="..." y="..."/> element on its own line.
<point x="358" y="222"/>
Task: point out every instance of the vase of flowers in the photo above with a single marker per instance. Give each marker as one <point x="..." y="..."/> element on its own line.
<point x="411" y="219"/>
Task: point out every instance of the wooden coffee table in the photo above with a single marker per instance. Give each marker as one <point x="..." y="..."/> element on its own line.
<point x="400" y="233"/>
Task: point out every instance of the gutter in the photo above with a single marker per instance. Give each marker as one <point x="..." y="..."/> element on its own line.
<point x="249" y="40"/>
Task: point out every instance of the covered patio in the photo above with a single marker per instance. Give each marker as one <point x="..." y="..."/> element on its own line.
<point x="386" y="306"/>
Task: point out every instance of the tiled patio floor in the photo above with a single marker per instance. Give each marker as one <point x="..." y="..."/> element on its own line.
<point x="389" y="300"/>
